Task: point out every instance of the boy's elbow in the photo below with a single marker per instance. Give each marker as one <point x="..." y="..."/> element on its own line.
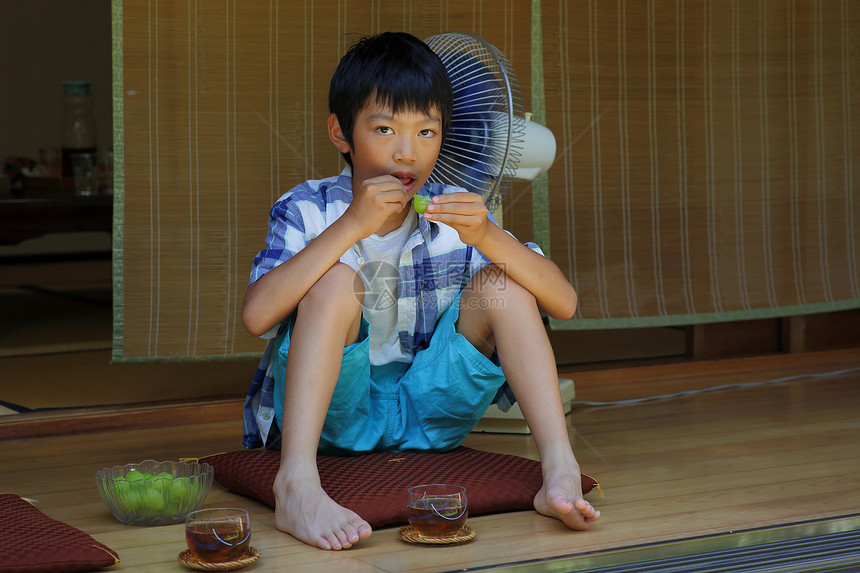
<point x="254" y="317"/>
<point x="252" y="322"/>
<point x="574" y="301"/>
<point x="255" y="332"/>
<point x="250" y="326"/>
<point x="567" y="308"/>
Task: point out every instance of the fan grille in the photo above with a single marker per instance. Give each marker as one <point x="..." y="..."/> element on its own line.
<point x="482" y="148"/>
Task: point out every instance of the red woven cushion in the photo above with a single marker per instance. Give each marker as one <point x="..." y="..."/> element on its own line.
<point x="374" y="485"/>
<point x="32" y="541"/>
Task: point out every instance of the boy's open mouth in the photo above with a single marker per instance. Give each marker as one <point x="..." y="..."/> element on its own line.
<point x="406" y="178"/>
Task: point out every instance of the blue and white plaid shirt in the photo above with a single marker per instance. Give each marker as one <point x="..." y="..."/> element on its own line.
<point x="435" y="266"/>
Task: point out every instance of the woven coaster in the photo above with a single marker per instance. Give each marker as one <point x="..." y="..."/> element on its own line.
<point x="186" y="559"/>
<point x="409" y="535"/>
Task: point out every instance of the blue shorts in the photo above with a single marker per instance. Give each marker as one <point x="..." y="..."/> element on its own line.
<point x="430" y="404"/>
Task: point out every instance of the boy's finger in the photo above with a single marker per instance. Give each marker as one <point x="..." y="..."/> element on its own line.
<point x="390" y="188"/>
<point x="459" y="197"/>
<point x="452" y="219"/>
<point x="459" y="208"/>
<point x="384" y="183"/>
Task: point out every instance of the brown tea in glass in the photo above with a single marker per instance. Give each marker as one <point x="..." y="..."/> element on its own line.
<point x="437" y="510"/>
<point x="218" y="535"/>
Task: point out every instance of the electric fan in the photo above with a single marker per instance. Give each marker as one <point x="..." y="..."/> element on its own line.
<point x="489" y="136"/>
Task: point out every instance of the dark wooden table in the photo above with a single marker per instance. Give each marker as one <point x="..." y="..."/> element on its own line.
<point x="34" y="213"/>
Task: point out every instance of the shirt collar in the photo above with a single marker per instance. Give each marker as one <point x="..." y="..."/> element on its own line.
<point x="345" y="178"/>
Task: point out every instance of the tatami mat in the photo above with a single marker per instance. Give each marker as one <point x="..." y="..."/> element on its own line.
<point x="77" y="379"/>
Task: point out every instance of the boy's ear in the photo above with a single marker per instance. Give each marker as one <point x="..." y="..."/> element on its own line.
<point x="335" y="133"/>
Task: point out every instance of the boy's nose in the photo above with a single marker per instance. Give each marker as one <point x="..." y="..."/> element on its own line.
<point x="405" y="153"/>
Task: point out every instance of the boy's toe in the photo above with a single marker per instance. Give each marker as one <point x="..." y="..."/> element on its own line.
<point x="561" y="505"/>
<point x="362" y="530"/>
<point x="335" y="541"/>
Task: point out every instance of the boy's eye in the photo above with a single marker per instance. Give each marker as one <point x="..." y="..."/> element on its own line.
<point x="384" y="130"/>
<point x="427" y="133"/>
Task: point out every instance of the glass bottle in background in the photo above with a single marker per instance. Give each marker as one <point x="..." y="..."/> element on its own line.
<point x="79" y="126"/>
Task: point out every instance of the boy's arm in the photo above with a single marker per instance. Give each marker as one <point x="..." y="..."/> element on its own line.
<point x="467" y="214"/>
<point x="274" y="296"/>
<point x="536" y="273"/>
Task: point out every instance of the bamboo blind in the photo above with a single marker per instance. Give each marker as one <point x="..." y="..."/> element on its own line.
<point x="220" y="108"/>
<point x="708" y="157"/>
<point x="705" y="170"/>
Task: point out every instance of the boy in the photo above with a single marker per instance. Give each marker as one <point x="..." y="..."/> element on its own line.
<point x="394" y="331"/>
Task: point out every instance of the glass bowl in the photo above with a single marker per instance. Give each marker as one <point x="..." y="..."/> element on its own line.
<point x="154" y="493"/>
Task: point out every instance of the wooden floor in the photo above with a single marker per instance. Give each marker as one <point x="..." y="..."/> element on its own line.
<point x="673" y="468"/>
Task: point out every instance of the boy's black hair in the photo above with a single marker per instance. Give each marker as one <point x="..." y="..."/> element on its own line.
<point x="398" y="71"/>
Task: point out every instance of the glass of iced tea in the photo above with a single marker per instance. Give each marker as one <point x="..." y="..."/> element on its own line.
<point x="218" y="535"/>
<point x="437" y="510"/>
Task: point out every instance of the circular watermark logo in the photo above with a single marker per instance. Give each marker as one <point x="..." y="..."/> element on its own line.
<point x="379" y="281"/>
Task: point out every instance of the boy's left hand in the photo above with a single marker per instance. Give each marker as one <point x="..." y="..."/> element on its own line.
<point x="464" y="211"/>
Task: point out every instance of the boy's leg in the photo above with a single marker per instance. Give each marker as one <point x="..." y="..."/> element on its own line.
<point x="328" y="319"/>
<point x="498" y="314"/>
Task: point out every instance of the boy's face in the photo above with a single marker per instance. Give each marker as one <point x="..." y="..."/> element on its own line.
<point x="403" y="144"/>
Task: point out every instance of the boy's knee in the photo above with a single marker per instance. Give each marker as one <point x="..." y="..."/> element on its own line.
<point x="491" y="288"/>
<point x="490" y="295"/>
<point x="336" y="299"/>
<point x="338" y="289"/>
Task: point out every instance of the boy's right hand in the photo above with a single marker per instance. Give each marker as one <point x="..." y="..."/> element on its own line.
<point x="376" y="200"/>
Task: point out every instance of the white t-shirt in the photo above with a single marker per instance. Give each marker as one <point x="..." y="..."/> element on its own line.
<point x="378" y="266"/>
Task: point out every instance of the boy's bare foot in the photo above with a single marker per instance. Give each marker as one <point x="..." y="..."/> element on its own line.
<point x="561" y="497"/>
<point x="307" y="513"/>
